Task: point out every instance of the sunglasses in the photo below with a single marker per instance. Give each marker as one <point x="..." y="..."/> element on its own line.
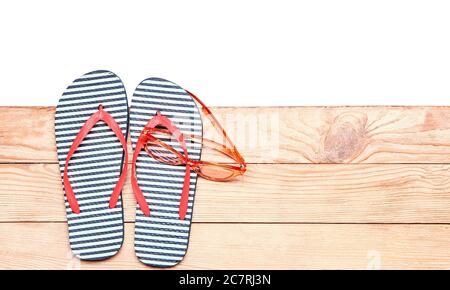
<point x="160" y="128"/>
<point x="160" y="131"/>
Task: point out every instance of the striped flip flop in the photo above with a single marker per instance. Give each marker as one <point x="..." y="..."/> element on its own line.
<point x="161" y="230"/>
<point x="91" y="125"/>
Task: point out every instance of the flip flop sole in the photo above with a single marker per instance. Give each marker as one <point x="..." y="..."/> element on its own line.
<point x="161" y="239"/>
<point x="96" y="233"/>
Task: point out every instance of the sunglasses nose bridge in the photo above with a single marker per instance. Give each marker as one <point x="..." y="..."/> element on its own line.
<point x="143" y="137"/>
<point x="191" y="163"/>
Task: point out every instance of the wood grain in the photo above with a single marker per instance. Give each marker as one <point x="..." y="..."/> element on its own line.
<point x="326" y="188"/>
<point x="334" y="193"/>
<point x="248" y="246"/>
<point x="277" y="134"/>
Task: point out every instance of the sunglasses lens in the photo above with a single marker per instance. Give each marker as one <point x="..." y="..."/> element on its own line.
<point x="215" y="172"/>
<point x="162" y="154"/>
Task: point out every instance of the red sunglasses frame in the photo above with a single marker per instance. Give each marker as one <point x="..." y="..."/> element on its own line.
<point x="228" y="150"/>
<point x="147" y="137"/>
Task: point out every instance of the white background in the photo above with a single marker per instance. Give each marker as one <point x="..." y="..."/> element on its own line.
<point x="237" y="53"/>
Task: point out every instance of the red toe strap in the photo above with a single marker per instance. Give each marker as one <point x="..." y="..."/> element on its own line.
<point x="90" y="123"/>
<point x="185" y="193"/>
<point x="140" y="198"/>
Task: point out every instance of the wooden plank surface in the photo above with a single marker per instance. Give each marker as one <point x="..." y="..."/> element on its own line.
<point x="278" y="134"/>
<point x="326" y="193"/>
<point x="326" y="187"/>
<point x="248" y="246"/>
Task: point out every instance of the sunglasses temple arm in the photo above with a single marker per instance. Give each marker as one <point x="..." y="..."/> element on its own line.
<point x="213" y="120"/>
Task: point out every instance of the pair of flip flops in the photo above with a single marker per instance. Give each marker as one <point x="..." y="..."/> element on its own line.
<point x="92" y="123"/>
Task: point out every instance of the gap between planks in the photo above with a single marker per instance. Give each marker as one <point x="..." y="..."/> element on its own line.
<point x="249" y="223"/>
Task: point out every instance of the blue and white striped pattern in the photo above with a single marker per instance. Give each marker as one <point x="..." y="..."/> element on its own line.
<point x="97" y="232"/>
<point x="161" y="240"/>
